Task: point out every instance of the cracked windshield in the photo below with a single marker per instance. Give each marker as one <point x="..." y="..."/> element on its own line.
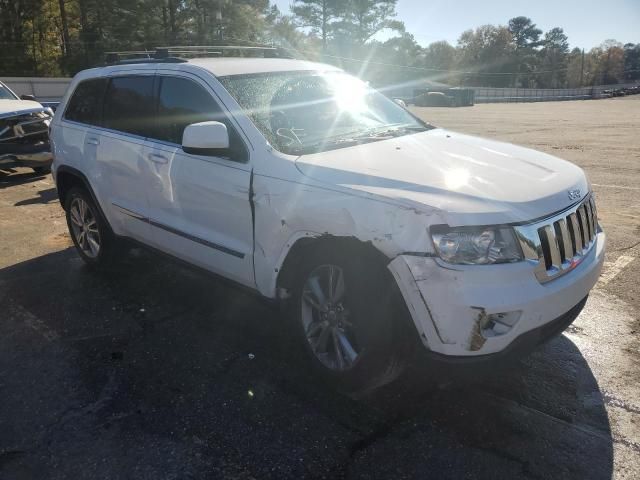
<point x="309" y="112"/>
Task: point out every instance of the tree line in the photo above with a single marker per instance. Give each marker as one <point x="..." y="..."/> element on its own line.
<point x="61" y="37"/>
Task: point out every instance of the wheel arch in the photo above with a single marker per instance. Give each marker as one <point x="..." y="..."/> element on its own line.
<point x="401" y="333"/>
<point x="67" y="178"/>
<point x="287" y="271"/>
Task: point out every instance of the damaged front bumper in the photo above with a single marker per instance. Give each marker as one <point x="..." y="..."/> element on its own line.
<point x="24" y="139"/>
<point x="477" y="311"/>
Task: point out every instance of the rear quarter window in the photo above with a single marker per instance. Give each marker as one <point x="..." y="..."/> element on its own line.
<point x="85" y="105"/>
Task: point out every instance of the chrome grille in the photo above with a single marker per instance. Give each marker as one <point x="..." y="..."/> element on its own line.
<point x="558" y="244"/>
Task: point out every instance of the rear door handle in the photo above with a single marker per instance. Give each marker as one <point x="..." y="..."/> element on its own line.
<point x="93" y="141"/>
<point x="154" y="157"/>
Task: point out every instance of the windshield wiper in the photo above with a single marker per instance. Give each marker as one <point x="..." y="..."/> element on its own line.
<point x="330" y="144"/>
<point x="393" y="131"/>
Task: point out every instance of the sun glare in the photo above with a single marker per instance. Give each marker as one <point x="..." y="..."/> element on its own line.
<point x="349" y="93"/>
<point x="456" y="178"/>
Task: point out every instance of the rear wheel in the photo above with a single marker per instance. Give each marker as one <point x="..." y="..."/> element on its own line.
<point x="89" y="231"/>
<point x="343" y="316"/>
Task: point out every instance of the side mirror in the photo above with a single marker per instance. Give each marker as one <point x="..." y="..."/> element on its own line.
<point x="28" y="97"/>
<point x="206" y="138"/>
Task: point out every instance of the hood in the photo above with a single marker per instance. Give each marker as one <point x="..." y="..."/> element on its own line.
<point x="469" y="179"/>
<point x="9" y="108"/>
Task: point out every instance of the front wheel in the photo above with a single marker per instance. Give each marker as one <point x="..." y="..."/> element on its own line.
<point x="344" y="316"/>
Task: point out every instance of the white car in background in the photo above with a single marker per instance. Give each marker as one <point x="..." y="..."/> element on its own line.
<point x="300" y="182"/>
<point x="24" y="132"/>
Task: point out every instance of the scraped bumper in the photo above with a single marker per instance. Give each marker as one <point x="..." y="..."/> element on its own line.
<point x="475" y="311"/>
<point x="32" y="156"/>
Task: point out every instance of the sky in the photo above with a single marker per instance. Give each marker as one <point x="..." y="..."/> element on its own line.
<point x="587" y="23"/>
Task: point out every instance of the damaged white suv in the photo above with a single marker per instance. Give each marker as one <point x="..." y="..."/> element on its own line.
<point x="302" y="183"/>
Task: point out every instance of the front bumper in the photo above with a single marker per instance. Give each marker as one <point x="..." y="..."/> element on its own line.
<point x="29" y="155"/>
<point x="458" y="310"/>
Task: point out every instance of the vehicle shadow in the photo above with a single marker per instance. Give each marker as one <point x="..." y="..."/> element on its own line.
<point x="44" y="196"/>
<point x="9" y="178"/>
<point x="167" y="371"/>
<point x="543" y="417"/>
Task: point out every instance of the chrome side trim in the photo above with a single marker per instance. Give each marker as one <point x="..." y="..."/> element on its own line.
<point x="180" y="233"/>
<point x="199" y="240"/>
<point x="130" y="213"/>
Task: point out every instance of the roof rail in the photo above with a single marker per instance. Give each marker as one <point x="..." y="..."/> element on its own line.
<point x="223" y="50"/>
<point x="176" y="54"/>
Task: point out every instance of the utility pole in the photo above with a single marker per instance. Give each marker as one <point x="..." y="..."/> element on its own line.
<point x="220" y="20"/>
<point x="582" y="68"/>
<point x="33" y="48"/>
<point x="324" y="27"/>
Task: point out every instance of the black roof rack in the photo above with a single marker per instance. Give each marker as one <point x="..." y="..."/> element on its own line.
<point x="176" y="54"/>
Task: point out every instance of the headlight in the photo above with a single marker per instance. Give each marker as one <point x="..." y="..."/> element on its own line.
<point x="476" y="245"/>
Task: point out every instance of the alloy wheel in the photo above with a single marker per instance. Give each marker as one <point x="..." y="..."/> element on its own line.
<point x="84" y="227"/>
<point x="326" y="318"/>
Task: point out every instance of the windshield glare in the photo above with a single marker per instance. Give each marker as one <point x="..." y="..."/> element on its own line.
<point x="303" y="112"/>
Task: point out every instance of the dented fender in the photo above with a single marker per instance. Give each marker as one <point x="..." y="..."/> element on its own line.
<point x="287" y="211"/>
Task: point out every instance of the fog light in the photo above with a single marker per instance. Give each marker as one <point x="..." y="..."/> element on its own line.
<point x="500" y="323"/>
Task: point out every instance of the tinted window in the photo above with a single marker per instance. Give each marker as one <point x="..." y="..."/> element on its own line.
<point x="129" y="105"/>
<point x="5" y="93"/>
<point x="85" y="104"/>
<point x="181" y="103"/>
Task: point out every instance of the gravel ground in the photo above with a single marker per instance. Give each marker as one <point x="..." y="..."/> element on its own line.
<point x="150" y="370"/>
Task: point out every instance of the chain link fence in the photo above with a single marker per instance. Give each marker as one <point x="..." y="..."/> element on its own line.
<point x="509" y="95"/>
<point x="53" y="89"/>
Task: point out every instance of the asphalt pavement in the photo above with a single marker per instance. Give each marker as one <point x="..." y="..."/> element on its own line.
<point x="151" y="370"/>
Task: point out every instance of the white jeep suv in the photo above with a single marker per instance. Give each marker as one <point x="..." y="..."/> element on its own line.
<point x="304" y="184"/>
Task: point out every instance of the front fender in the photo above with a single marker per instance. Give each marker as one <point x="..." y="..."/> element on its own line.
<point x="288" y="212"/>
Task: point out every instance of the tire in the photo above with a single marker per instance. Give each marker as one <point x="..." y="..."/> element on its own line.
<point x="363" y="315"/>
<point x="90" y="232"/>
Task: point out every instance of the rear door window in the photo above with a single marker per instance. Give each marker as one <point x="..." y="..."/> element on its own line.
<point x="129" y="105"/>
<point x="85" y="105"/>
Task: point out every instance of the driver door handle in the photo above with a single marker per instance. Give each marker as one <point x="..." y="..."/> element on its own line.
<point x="93" y="141"/>
<point x="154" y="157"/>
